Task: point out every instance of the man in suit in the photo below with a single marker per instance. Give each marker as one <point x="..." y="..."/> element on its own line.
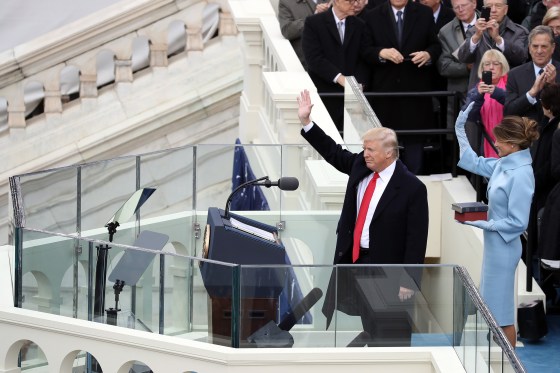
<point x="292" y="15"/>
<point x="525" y="82"/>
<point x="332" y="41"/>
<point x="451" y="36"/>
<point x="497" y="32"/>
<point x="523" y="89"/>
<point x="402" y="64"/>
<point x="394" y="231"/>
<point x="442" y="14"/>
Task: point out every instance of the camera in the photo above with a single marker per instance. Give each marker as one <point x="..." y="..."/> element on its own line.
<point x="485" y="13"/>
<point x="487" y="77"/>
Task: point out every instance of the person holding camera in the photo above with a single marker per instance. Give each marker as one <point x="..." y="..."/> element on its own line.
<point x="494" y="30"/>
<point x="489" y="96"/>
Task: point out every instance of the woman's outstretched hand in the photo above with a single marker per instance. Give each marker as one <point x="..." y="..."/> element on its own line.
<point x="460" y="129"/>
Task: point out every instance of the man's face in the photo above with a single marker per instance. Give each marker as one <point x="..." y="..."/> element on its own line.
<point x="344" y="8"/>
<point x="541" y="49"/>
<point x="498" y="9"/>
<point x="377" y="158"/>
<point x="464" y="9"/>
<point x="359" y="6"/>
<point x="434" y="4"/>
<point x="398" y="4"/>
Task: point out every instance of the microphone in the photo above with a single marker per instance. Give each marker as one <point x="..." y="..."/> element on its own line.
<point x="284" y="183"/>
<point x="301" y="309"/>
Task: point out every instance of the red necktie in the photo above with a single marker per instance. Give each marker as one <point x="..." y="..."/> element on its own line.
<point x="362" y="217"/>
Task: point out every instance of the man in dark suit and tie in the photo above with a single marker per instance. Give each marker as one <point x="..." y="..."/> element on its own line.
<point x="292" y="15"/>
<point x="442" y="14"/>
<point x="391" y="229"/>
<point x="332" y="41"/>
<point x="525" y="82"/>
<point x="405" y="46"/>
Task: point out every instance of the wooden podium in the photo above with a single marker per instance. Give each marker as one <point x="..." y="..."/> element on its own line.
<point x="255" y="313"/>
<point x="242" y="241"/>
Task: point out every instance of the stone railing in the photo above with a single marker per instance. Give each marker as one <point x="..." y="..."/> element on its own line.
<point x="153" y="106"/>
<point x="114" y="30"/>
<point x="273" y="78"/>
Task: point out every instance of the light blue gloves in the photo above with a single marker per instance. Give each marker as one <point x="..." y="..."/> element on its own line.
<point x="460" y="129"/>
<point x="482" y="224"/>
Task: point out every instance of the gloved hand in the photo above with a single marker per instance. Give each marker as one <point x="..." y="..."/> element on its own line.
<point x="482" y="224"/>
<point x="460" y="129"/>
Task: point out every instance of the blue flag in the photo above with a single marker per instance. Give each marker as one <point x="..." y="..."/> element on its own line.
<point x="251" y="198"/>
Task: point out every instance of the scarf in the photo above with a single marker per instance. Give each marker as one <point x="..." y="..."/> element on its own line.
<point x="491" y="114"/>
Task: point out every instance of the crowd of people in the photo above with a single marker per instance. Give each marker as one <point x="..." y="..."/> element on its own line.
<point x="504" y="72"/>
<point x="393" y="46"/>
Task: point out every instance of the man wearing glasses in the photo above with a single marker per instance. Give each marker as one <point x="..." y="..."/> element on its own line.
<point x="451" y="36"/>
<point x="496" y="32"/>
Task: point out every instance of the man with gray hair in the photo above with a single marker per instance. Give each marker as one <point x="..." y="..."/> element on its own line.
<point x="451" y="36"/>
<point x="525" y="82"/>
<point x="496" y="32"/>
<point x="384" y="220"/>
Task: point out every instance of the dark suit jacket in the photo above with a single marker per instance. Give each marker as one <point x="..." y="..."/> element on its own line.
<point x="550" y="234"/>
<point x="541" y="152"/>
<point x="445" y="16"/>
<point x="326" y="56"/>
<point x="399" y="226"/>
<point x="520" y="81"/>
<point x="291" y="15"/>
<point x="418" y="35"/>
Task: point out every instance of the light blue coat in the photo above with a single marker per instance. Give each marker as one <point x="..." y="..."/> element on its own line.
<point x="510" y="192"/>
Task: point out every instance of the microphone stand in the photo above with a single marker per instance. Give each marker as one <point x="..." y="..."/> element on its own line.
<point x="112" y="312"/>
<point x="267" y="184"/>
<point x="101" y="272"/>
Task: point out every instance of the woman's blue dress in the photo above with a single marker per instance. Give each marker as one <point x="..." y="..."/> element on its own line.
<point x="510" y="191"/>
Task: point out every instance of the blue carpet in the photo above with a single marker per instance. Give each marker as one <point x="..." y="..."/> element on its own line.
<point x="423" y="340"/>
<point x="543" y="356"/>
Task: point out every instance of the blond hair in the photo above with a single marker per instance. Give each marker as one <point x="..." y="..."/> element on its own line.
<point x="551" y="14"/>
<point x="386" y="136"/>
<point x="496" y="55"/>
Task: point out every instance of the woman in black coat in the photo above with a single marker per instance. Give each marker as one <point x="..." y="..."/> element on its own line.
<point x="542" y="163"/>
<point x="549" y="242"/>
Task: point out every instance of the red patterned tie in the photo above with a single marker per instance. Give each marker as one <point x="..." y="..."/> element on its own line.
<point x="362" y="217"/>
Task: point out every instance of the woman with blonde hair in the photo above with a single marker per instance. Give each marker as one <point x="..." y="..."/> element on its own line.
<point x="510" y="190"/>
<point x="552" y="20"/>
<point x="489" y="99"/>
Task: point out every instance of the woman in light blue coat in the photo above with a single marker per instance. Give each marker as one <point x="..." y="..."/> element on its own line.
<point x="510" y="191"/>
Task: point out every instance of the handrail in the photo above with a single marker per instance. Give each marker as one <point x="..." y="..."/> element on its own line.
<point x="501" y="340"/>
<point x="430" y="131"/>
